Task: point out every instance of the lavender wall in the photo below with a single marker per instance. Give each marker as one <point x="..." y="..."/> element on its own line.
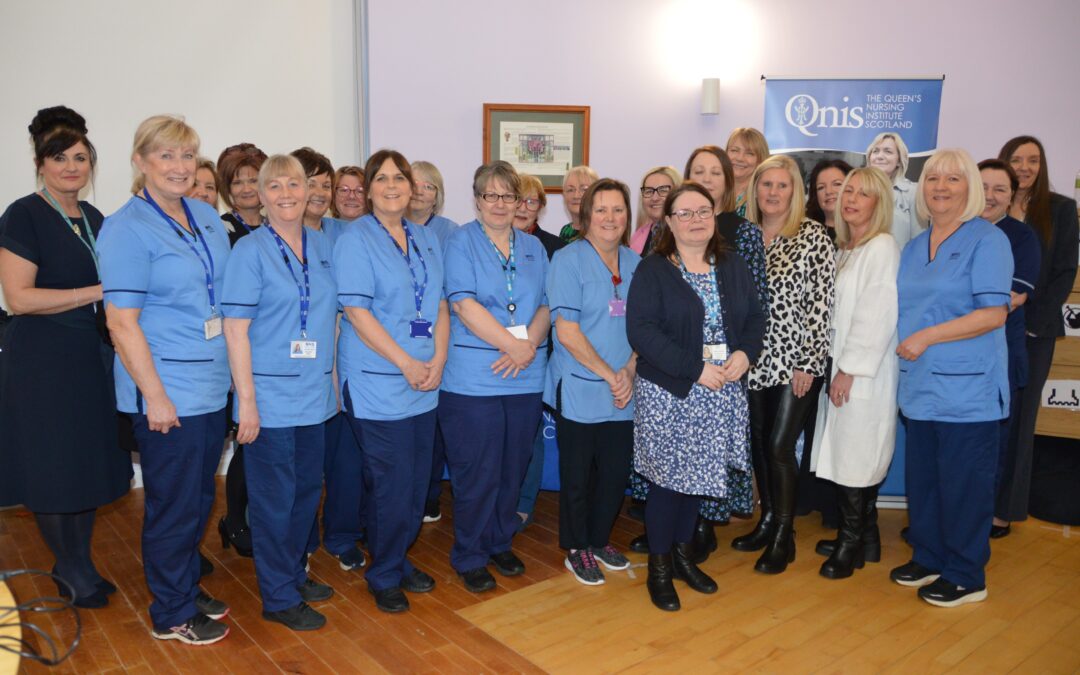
<point x="639" y="64"/>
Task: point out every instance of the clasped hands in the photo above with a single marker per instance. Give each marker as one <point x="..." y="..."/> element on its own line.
<point x="714" y="377"/>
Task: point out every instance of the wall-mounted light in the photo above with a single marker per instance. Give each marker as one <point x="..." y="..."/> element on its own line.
<point x="710" y="96"/>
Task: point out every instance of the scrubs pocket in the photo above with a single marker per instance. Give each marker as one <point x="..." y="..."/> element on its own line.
<point x="585" y="396"/>
<point x="961" y="387"/>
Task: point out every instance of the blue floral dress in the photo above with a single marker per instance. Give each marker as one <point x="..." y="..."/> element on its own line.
<point x="696" y="445"/>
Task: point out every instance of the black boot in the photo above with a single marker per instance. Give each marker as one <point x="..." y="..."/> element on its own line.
<point x="780" y="550"/>
<point x="871" y="536"/>
<point x="640" y="543"/>
<point x="686" y="568"/>
<point x="660" y="585"/>
<point x="848" y="555"/>
<point x="758" y="537"/>
<point x="704" y="540"/>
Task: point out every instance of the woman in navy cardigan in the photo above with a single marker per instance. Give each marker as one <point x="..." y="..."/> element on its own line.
<point x="694" y="320"/>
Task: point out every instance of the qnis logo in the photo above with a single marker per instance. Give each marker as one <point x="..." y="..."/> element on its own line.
<point x="804" y="113"/>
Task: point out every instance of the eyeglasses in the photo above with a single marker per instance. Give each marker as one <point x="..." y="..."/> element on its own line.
<point x="531" y="204"/>
<point x="427" y="187"/>
<point x="686" y="215"/>
<point x="492" y="197"/>
<point x="345" y="192"/>
<point x="648" y="192"/>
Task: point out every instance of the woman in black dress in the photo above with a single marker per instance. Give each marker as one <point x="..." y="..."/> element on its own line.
<point x="57" y="362"/>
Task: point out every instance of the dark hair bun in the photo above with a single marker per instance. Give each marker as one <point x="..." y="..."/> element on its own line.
<point x="48" y="119"/>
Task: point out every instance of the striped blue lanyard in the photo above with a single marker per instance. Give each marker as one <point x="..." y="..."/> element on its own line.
<point x="243" y="224"/>
<point x="509" y="267"/>
<point x="305" y="289"/>
<point x="208" y="262"/>
<point x="90" y="245"/>
<point x="419" y="287"/>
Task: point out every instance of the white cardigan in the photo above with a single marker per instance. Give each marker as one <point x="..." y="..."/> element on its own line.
<point x="853" y="444"/>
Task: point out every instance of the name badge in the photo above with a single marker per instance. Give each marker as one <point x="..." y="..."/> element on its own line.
<point x="714" y="352"/>
<point x="420" y="328"/>
<point x="520" y="332"/>
<point x="212" y="327"/>
<point x="616" y="307"/>
<point x="302" y="349"/>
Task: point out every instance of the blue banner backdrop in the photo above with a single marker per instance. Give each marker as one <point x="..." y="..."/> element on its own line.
<point x="846" y="115"/>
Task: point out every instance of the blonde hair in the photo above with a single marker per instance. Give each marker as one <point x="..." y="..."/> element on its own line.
<point x="530" y="183"/>
<point x="944" y="161"/>
<point x="901" y="151"/>
<point x="157" y="132"/>
<point x="874" y="183"/>
<point x="796" y="209"/>
<point x="757" y="143"/>
<point x="581" y="171"/>
<point x="281" y="165"/>
<point x="676" y="181"/>
<point x="432" y="172"/>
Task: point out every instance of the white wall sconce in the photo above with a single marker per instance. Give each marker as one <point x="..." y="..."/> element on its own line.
<point x="710" y="96"/>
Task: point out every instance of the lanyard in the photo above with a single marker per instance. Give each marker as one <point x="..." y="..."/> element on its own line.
<point x="419" y="288"/>
<point x="90" y="245"/>
<point x="509" y="267"/>
<point x="208" y="263"/>
<point x="712" y="316"/>
<point x="243" y="224"/>
<point x="305" y="289"/>
<point x="616" y="278"/>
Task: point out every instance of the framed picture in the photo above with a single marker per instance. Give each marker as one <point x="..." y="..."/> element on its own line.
<point x="545" y="141"/>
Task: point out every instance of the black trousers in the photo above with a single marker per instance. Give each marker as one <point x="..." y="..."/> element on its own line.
<point x="594" y="461"/>
<point x="777" y="417"/>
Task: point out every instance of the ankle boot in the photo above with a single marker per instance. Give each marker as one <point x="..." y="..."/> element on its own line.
<point x="640" y="543"/>
<point x="660" y="585"/>
<point x="685" y="568"/>
<point x="780" y="549"/>
<point x="848" y="554"/>
<point x="704" y="540"/>
<point x="759" y="537"/>
<point x="871" y="536"/>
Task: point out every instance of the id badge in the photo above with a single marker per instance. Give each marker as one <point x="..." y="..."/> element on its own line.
<point x="520" y="332"/>
<point x="302" y="349"/>
<point x="420" y="328"/>
<point x="616" y="307"/>
<point x="714" y="352"/>
<point x="212" y="327"/>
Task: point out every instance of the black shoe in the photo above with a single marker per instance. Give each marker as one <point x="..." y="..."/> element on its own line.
<point x="507" y="564"/>
<point x="198" y="630"/>
<point x="779" y="551"/>
<point x="106" y="586"/>
<point x="205" y="566"/>
<point x="96" y="600"/>
<point x="432" y="513"/>
<point x="914" y="575"/>
<point x="313" y="591"/>
<point x="999" y="531"/>
<point x="847" y="555"/>
<point x="418" y="582"/>
<point x="636" y="510"/>
<point x="300" y="617"/>
<point x="942" y="593"/>
<point x="390" y="600"/>
<point x="240" y="539"/>
<point x="704" y="540"/>
<point x="685" y="568"/>
<point x="215" y="609"/>
<point x="352" y="559"/>
<point x="759" y="537"/>
<point x="640" y="544"/>
<point x="660" y="585"/>
<point x="477" y="580"/>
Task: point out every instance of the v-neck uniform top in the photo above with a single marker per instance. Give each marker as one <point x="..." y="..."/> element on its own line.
<point x="963" y="380"/>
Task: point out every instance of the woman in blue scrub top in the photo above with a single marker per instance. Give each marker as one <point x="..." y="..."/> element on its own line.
<point x="590" y="380"/>
<point x="391" y="355"/>
<point x="953" y="287"/>
<point x="280" y="306"/>
<point x="163" y="262"/>
<point x="320" y="189"/>
<point x="490" y="405"/>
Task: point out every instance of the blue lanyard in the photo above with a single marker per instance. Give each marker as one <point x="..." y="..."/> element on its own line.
<point x="90" y="245"/>
<point x="208" y="263"/>
<point x="419" y="288"/>
<point x="509" y="267"/>
<point x="240" y="219"/>
<point x="713" y="317"/>
<point x="616" y="278"/>
<point x="305" y="289"/>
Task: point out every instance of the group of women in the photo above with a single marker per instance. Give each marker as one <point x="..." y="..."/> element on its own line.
<point x="374" y="350"/>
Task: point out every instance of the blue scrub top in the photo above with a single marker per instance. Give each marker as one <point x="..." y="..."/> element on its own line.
<point x="258" y="286"/>
<point x="442" y="227"/>
<point x="332" y="228"/>
<point x="964" y="380"/>
<point x="580" y="288"/>
<point x="146" y="266"/>
<point x="373" y="275"/>
<point x="474" y="270"/>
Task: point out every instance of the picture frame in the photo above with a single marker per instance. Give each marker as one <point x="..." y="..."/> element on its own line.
<point x="545" y="141"/>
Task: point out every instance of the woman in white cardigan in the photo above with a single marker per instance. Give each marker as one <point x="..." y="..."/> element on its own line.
<point x="857" y="423"/>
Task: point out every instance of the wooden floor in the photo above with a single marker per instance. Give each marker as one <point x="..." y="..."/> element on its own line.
<point x="545" y="621"/>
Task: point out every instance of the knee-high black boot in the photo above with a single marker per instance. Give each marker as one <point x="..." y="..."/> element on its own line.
<point x="871" y="536"/>
<point x="848" y="555"/>
<point x="233" y="526"/>
<point x="760" y="421"/>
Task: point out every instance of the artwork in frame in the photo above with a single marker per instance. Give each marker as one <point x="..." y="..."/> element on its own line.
<point x="545" y="141"/>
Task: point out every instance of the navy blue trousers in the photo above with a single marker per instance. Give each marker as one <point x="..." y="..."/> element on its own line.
<point x="950" y="492"/>
<point x="178" y="479"/>
<point x="670" y="518"/>
<point x="438" y="465"/>
<point x="397" y="467"/>
<point x="284" y="482"/>
<point x="343" y="473"/>
<point x="489" y="442"/>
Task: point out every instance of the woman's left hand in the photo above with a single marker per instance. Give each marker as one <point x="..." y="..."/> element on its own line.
<point x="434" y="376"/>
<point x="800" y="382"/>
<point x="735" y="367"/>
<point x="913" y="347"/>
<point x="840" y="389"/>
<point x="623" y="389"/>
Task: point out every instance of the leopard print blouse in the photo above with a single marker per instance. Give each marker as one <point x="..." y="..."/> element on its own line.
<point x="800" y="273"/>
